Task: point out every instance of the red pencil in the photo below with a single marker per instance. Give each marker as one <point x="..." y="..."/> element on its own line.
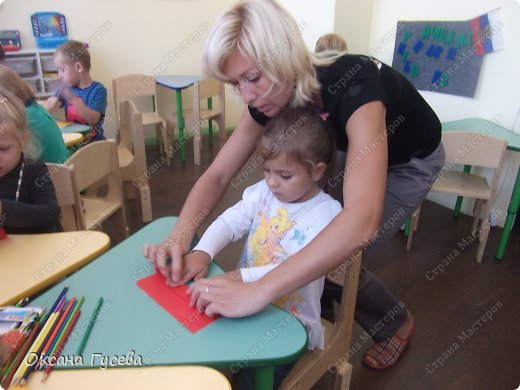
<point x="61" y="345"/>
<point x="63" y="316"/>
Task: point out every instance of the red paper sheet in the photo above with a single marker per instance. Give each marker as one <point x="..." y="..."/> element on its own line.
<point x="175" y="301"/>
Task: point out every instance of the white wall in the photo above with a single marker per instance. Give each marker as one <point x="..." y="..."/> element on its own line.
<point x="498" y="90"/>
<point x="150" y="37"/>
<point x="352" y="21"/>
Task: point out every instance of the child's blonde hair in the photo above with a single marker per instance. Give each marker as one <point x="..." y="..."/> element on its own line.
<point x="75" y="51"/>
<point x="265" y="32"/>
<point x="14" y="119"/>
<point x="303" y="136"/>
<point x="10" y="81"/>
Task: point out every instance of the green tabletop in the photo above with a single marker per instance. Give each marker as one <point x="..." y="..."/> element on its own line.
<point x="487" y="127"/>
<point x="130" y="320"/>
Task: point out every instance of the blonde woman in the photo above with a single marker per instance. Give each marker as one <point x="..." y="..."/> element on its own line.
<point x="390" y="139"/>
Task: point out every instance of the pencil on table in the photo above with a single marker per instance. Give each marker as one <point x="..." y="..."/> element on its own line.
<point x="61" y="325"/>
<point x="90" y="325"/>
<point x="69" y="324"/>
<point x="61" y="343"/>
<point x="55" y="332"/>
<point x="35" y="347"/>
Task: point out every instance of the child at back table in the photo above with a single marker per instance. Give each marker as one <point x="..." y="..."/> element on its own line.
<point x="42" y="125"/>
<point x="281" y="214"/>
<point x="84" y="100"/>
<point x="27" y="198"/>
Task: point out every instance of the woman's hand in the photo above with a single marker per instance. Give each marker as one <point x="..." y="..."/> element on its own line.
<point x="175" y="264"/>
<point x="220" y="295"/>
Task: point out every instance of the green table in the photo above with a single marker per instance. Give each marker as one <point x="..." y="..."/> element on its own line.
<point x="513" y="143"/>
<point x="178" y="83"/>
<point x="131" y="321"/>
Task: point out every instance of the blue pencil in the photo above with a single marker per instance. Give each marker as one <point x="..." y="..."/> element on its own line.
<point x="56" y="303"/>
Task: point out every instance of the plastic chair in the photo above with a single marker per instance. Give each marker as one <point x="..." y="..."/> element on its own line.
<point x="92" y="164"/>
<point x="67" y="194"/>
<point x="132" y="156"/>
<point x="314" y="364"/>
<point x="469" y="148"/>
<point x="205" y="91"/>
<point x="133" y="86"/>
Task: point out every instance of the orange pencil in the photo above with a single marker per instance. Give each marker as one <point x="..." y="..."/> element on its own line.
<point x="61" y="344"/>
<point x="51" y="339"/>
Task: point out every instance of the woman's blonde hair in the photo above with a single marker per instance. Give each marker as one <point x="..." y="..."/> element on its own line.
<point x="14" y="119"/>
<point x="265" y="32"/>
<point x="331" y="42"/>
<point x="10" y="81"/>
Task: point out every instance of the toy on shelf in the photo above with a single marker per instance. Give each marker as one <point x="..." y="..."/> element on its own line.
<point x="50" y="29"/>
<point x="10" y="40"/>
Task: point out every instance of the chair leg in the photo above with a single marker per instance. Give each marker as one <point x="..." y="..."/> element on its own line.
<point x="413" y="228"/>
<point x="483" y="236"/>
<point x="343" y="376"/>
<point x="477" y="214"/>
<point x="146" y="203"/>
<point x="167" y="141"/>
<point x="159" y="137"/>
<point x="222" y="133"/>
<point x="131" y="193"/>
<point x="121" y="230"/>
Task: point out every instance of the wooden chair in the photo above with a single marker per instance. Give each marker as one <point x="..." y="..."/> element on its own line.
<point x="132" y="156"/>
<point x="469" y="148"/>
<point x="314" y="364"/>
<point x="67" y="194"/>
<point x="133" y="86"/>
<point x="92" y="164"/>
<point x="204" y="109"/>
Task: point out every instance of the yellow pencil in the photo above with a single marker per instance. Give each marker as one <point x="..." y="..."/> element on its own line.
<point x="34" y="348"/>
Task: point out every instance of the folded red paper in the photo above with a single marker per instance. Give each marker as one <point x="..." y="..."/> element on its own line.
<point x="175" y="301"/>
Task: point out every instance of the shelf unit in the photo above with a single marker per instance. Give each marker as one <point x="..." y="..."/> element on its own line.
<point x="37" y="69"/>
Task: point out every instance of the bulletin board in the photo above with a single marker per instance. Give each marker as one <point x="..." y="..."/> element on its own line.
<point x="446" y="56"/>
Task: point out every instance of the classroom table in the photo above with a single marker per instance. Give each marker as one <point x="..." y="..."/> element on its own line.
<point x="486" y="127"/>
<point x="178" y="83"/>
<point x="71" y="139"/>
<point x="179" y="377"/>
<point x="69" y="127"/>
<point x="131" y="322"/>
<point x="31" y="262"/>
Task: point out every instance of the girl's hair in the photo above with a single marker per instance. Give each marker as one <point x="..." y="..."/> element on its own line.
<point x="303" y="136"/>
<point x="13" y="118"/>
<point x="331" y="42"/>
<point x="10" y="81"/>
<point x="75" y="51"/>
<point x="265" y="32"/>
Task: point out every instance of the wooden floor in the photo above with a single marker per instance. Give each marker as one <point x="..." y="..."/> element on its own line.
<point x="467" y="316"/>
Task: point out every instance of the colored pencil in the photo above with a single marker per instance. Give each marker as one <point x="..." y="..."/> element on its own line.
<point x="61" y="343"/>
<point x="53" y="307"/>
<point x="35" y="349"/>
<point x="20" y="356"/>
<point x="67" y="326"/>
<point x="61" y="325"/>
<point x="90" y="325"/>
<point x="57" y="327"/>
